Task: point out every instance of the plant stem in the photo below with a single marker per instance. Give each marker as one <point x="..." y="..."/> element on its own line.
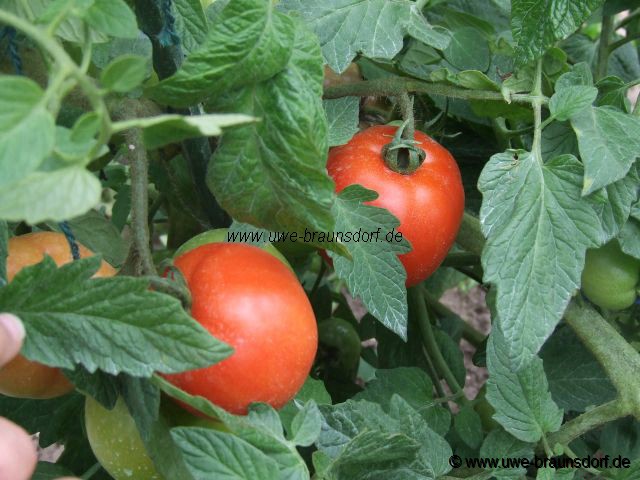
<point x="470" y="334"/>
<point x="620" y="360"/>
<point x="629" y="38"/>
<point x="628" y="19"/>
<point x="585" y="422"/>
<point x="603" y="48"/>
<point x="66" y="64"/>
<point x="394" y="86"/>
<point x="537" y="113"/>
<point x="470" y="235"/>
<point x="417" y="302"/>
<point x="139" y="169"/>
<point x="171" y="288"/>
<point x="91" y="472"/>
<point x="406" y="109"/>
<point x="167" y="59"/>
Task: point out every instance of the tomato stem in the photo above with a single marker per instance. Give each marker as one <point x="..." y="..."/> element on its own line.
<point x="401" y="155"/>
<point x="417" y="302"/>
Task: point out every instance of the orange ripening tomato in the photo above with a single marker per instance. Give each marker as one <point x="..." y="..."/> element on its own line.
<point x="21" y="377"/>
<point x="429" y="202"/>
<point x="249" y="299"/>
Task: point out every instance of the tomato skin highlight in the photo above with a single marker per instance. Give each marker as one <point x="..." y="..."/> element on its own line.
<point x="249" y="299"/>
<point x="610" y="277"/>
<point x="429" y="203"/>
<point x="21" y="377"/>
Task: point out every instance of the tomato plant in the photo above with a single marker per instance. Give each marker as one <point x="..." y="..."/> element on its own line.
<point x="468" y="170"/>
<point x="252" y="301"/>
<point x="23" y="377"/>
<point x="610" y="278"/>
<point x="116" y="443"/>
<point x="428" y="202"/>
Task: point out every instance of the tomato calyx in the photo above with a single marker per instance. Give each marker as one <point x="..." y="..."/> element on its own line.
<point x="401" y="154"/>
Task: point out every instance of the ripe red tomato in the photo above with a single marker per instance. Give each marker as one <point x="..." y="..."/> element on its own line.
<point x="429" y="203"/>
<point x="21" y="377"/>
<point x="249" y="299"/>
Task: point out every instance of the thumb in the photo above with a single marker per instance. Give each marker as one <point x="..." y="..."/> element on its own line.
<point x="11" y="337"/>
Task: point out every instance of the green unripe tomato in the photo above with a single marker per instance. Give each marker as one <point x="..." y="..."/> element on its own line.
<point x="339" y="348"/>
<point x="484" y="409"/>
<point x="116" y="443"/>
<point x="219" y="235"/>
<point x="610" y="277"/>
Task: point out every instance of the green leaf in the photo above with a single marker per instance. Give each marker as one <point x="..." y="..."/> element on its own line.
<point x="22" y="112"/>
<point x="630" y="234"/>
<point x="576" y="379"/>
<point x="432" y="458"/>
<point x="165" y="129"/>
<point x="569" y="101"/>
<point x="99" y="235"/>
<point x="191" y="24"/>
<point x="252" y="171"/>
<point x="312" y="390"/>
<point x="373" y="28"/>
<point x="415" y="388"/>
<point x="124" y="73"/>
<point x="362" y="441"/>
<point x="57" y="195"/>
<point x="113" y="17"/>
<point x="538" y="227"/>
<point x="375" y="275"/>
<point x="73" y="151"/>
<point x="468" y="425"/>
<point x="619" y="198"/>
<point x="101" y="386"/>
<point x="522" y="401"/>
<point x="247" y="43"/>
<point x="342" y="117"/>
<point x="53" y="418"/>
<point x="212" y="454"/>
<point x="290" y="464"/>
<point x="109" y="324"/>
<point x="142" y="399"/>
<point x="609" y="143"/>
<point x="538" y="24"/>
<point x="468" y="50"/>
<point x="558" y="139"/>
<point x="613" y="92"/>
<point x="499" y="444"/>
<point x="306" y="425"/>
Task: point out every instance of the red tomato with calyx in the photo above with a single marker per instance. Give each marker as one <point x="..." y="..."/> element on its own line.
<point x="429" y="202"/>
<point x="249" y="299"/>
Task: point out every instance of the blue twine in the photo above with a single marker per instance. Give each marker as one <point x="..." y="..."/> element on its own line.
<point x="73" y="245"/>
<point x="168" y="35"/>
<point x="14" y="55"/>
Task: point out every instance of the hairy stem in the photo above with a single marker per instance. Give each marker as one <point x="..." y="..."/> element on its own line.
<point x="585" y="423"/>
<point x="629" y="38"/>
<point x="470" y="334"/>
<point x="620" y="360"/>
<point x="537" y="113"/>
<point x="417" y="303"/>
<point x="139" y="169"/>
<point x="395" y="86"/>
<point x="603" y="48"/>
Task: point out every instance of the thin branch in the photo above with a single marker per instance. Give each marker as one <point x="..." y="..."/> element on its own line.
<point x="395" y="86"/>
<point x="429" y="340"/>
<point x="139" y="169"/>
<point x="603" y="48"/>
